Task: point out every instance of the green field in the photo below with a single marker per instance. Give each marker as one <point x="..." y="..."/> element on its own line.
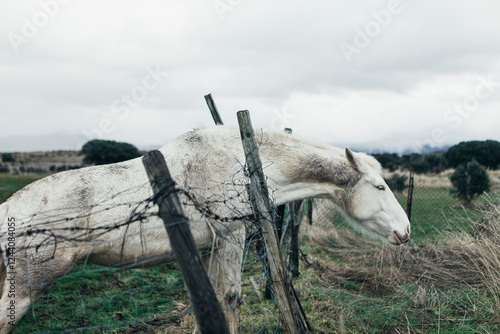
<point x="9" y="183"/>
<point x="348" y="284"/>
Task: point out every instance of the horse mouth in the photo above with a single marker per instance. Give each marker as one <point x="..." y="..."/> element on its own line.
<point x="398" y="240"/>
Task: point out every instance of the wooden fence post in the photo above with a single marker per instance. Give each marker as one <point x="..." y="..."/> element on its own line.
<point x="206" y="308"/>
<point x="293" y="208"/>
<point x="309" y="211"/>
<point x="294" y="236"/>
<point x="213" y="109"/>
<point x="409" y="200"/>
<point x="262" y="208"/>
<point x="259" y="244"/>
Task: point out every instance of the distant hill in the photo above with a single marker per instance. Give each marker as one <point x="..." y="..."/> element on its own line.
<point x="41" y="162"/>
<point x="424" y="150"/>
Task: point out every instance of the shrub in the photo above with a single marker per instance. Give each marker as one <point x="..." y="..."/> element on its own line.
<point x="397" y="182"/>
<point x="4" y="169"/>
<point x="437" y="162"/>
<point x="469" y="180"/>
<point x="487" y="153"/>
<point x="388" y="160"/>
<point x="102" y="152"/>
<point x="419" y="164"/>
<point x="7" y="157"/>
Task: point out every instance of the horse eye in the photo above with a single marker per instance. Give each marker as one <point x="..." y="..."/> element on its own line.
<point x="381" y="187"/>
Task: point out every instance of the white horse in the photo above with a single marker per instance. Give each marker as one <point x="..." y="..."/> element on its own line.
<point x="103" y="214"/>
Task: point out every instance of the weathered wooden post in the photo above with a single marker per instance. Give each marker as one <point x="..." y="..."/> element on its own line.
<point x="409" y="200"/>
<point x="206" y="308"/>
<point x="262" y="208"/>
<point x="294" y="237"/>
<point x="293" y="208"/>
<point x="309" y="211"/>
<point x="213" y="109"/>
<point x="259" y="243"/>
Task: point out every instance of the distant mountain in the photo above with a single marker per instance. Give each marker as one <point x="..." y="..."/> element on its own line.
<point x="425" y="150"/>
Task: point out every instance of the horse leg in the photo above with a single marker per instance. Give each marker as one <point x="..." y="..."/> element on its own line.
<point x="227" y="264"/>
<point x="27" y="279"/>
<point x="223" y="266"/>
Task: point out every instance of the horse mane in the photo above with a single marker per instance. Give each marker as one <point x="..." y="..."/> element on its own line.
<point x="317" y="161"/>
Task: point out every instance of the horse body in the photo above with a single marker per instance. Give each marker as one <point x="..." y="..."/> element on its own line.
<point x="79" y="214"/>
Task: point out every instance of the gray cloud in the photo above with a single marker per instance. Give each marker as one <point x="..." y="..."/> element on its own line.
<point x="265" y="57"/>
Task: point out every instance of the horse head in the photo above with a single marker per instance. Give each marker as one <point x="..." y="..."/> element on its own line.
<point x="369" y="203"/>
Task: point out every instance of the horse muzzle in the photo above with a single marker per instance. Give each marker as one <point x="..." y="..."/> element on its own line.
<point x="398" y="239"/>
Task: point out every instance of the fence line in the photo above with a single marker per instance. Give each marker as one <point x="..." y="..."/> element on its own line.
<point x="292" y="319"/>
<point x="203" y="299"/>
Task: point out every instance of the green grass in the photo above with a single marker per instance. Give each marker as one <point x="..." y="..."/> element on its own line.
<point x="435" y="211"/>
<point x="108" y="300"/>
<point x="404" y="311"/>
<point x="9" y="183"/>
<point x="154" y="300"/>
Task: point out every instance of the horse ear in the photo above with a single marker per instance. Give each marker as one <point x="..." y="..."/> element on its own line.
<point x="352" y="160"/>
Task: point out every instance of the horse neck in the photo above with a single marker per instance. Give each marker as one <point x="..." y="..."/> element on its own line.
<point x="301" y="169"/>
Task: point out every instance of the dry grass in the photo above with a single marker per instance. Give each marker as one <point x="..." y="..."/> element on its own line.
<point x="469" y="260"/>
<point x="425" y="278"/>
<point x="441" y="180"/>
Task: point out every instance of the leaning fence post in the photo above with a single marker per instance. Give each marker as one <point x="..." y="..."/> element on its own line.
<point x="213" y="109"/>
<point x="259" y="245"/>
<point x="206" y="308"/>
<point x="260" y="195"/>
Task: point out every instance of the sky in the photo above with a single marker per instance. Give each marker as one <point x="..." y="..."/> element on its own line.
<point x="389" y="76"/>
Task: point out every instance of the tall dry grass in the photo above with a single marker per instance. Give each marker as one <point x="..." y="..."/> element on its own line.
<point x="441" y="180"/>
<point x="469" y="260"/>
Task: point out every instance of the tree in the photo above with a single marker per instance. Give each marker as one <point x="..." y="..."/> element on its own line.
<point x="487" y="153"/>
<point x="469" y="180"/>
<point x="7" y="157"/>
<point x="437" y="162"/>
<point x="103" y="152"/>
<point x="397" y="183"/>
<point x="388" y="160"/>
<point x="419" y="164"/>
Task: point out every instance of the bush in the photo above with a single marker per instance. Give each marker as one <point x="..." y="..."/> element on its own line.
<point x="469" y="180"/>
<point x="7" y="157"/>
<point x="102" y="152"/>
<point x="4" y="169"/>
<point x="419" y="164"/>
<point x="397" y="183"/>
<point x="487" y="153"/>
<point x="437" y="162"/>
<point x="388" y="160"/>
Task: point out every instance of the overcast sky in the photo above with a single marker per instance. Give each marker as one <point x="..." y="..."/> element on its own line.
<point x="387" y="75"/>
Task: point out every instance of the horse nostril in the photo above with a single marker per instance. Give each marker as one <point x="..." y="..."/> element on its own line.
<point x="405" y="238"/>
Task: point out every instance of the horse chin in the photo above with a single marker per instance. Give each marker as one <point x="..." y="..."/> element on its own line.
<point x="368" y="232"/>
<point x="394" y="239"/>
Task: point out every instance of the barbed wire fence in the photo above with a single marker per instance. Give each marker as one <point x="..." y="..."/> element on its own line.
<point x="432" y="206"/>
<point x="45" y="233"/>
<point x="94" y="299"/>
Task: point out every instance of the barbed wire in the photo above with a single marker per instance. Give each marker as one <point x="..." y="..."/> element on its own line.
<point x="41" y="235"/>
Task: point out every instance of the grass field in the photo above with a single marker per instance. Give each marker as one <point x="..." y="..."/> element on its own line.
<point x="446" y="280"/>
<point x="9" y="183"/>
